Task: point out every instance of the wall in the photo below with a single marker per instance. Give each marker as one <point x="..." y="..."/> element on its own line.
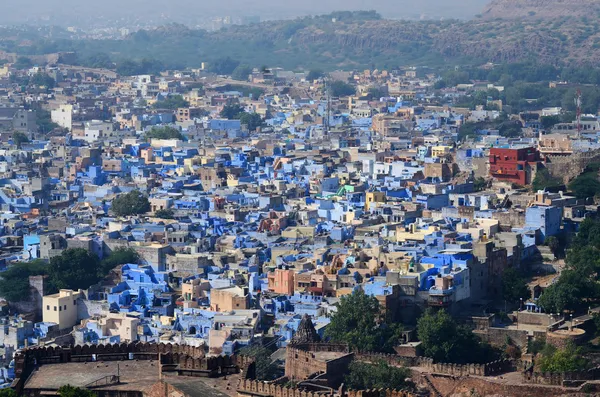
<point x="258" y="388"/>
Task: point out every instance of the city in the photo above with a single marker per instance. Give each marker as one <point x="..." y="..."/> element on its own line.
<point x="231" y="229"/>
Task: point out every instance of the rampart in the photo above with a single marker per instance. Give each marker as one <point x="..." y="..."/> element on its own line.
<point x="183" y="359"/>
<point x="566" y="379"/>
<point x="569" y="167"/>
<point x="489" y="369"/>
<point x="257" y="388"/>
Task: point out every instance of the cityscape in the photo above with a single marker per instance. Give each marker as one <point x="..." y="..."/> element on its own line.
<point x="320" y="205"/>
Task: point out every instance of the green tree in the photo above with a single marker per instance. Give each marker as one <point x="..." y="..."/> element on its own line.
<point x="23" y="63"/>
<point x="314" y="74"/>
<point x="480" y="184"/>
<point x="72" y="391"/>
<point x="585" y="185"/>
<point x="42" y="80"/>
<point x="358" y="322"/>
<point x="75" y="269"/>
<point x="19" y="138"/>
<point x="241" y="72"/>
<point x="14" y="282"/>
<point x="44" y="121"/>
<point x="172" y="102"/>
<point x="132" y="203"/>
<point x="165" y="132"/>
<point x="8" y="392"/>
<point x="549" y="121"/>
<point x="543" y="180"/>
<point x="340" y="89"/>
<point x="232" y="112"/>
<point x="514" y="286"/>
<point x="223" y="66"/>
<point x="120" y="256"/>
<point x="165" y="214"/>
<point x="252" y="120"/>
<point x="568" y="359"/>
<point x="443" y="340"/>
<point x="553" y="243"/>
<point x="265" y="369"/>
<point x="380" y="375"/>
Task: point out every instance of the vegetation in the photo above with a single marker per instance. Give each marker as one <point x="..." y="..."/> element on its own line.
<point x="314" y="74"/>
<point x="236" y="112"/>
<point x="265" y="369"/>
<point x="72" y="391"/>
<point x="232" y="112"/>
<point x="14" y="284"/>
<point x="364" y="376"/>
<point x="568" y="359"/>
<point x="358" y="322"/>
<point x="514" y="286"/>
<point x="165" y="214"/>
<point x="443" y="340"/>
<point x="172" y="102"/>
<point x="577" y="287"/>
<point x="543" y="180"/>
<point x="586" y="184"/>
<point x="44" y="121"/>
<point x="340" y="89"/>
<point x="480" y="184"/>
<point x="165" y="132"/>
<point x="42" y="80"/>
<point x="131" y="67"/>
<point x="19" y="138"/>
<point x="241" y="72"/>
<point x="8" y="392"/>
<point x="75" y="269"/>
<point x="132" y="203"/>
<point x="119" y="256"/>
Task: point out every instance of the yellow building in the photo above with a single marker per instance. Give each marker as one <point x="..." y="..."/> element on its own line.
<point x="61" y="308"/>
<point x="440" y="151"/>
<point x="373" y="197"/>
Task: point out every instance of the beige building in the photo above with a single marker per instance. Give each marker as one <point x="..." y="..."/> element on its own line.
<point x="229" y="299"/>
<point x="61" y="308"/>
<point x="118" y="324"/>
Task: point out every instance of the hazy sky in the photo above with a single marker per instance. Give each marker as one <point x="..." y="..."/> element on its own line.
<point x="74" y="11"/>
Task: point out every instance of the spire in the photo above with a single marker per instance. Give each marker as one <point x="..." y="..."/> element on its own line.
<point x="306" y="332"/>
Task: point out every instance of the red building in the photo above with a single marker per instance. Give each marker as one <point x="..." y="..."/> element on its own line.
<point x="514" y="165"/>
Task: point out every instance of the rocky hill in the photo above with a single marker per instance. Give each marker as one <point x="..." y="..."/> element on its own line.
<point x="542" y="9"/>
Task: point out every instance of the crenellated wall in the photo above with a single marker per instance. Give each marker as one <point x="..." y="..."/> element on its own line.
<point x="491" y="368"/>
<point x="561" y="379"/>
<point x="257" y="388"/>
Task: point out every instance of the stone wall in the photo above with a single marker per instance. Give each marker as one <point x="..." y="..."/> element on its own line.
<point x="497" y="336"/>
<point x="560" y="379"/>
<point x="492" y="368"/>
<point x="188" y="360"/>
<point x="262" y="389"/>
<point x="568" y="168"/>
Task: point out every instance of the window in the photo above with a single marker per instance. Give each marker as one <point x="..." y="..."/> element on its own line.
<point x="47" y="307"/>
<point x="65" y="307"/>
<point x="74" y="302"/>
<point x="60" y="308"/>
<point x="54" y="308"/>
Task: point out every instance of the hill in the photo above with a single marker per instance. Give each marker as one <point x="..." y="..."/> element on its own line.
<point x="541" y="9"/>
<point x="342" y="40"/>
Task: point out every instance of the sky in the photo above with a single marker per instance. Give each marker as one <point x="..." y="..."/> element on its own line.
<point x="71" y="12"/>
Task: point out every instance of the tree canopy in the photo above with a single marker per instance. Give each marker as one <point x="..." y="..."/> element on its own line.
<point x="339" y="89"/>
<point x="75" y="269"/>
<point x="14" y="282"/>
<point x="365" y="376"/>
<point x="164" y="132"/>
<point x="241" y="72"/>
<point x="172" y="102"/>
<point x="72" y="391"/>
<point x="358" y="322"/>
<point x="19" y="138"/>
<point x="568" y="359"/>
<point x="165" y="214"/>
<point x="132" y="203"/>
<point x="514" y="286"/>
<point x="120" y="256"/>
<point x="443" y="340"/>
<point x="578" y="284"/>
<point x="543" y="180"/>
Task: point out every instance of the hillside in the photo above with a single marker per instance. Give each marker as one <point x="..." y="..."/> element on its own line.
<point x="345" y="40"/>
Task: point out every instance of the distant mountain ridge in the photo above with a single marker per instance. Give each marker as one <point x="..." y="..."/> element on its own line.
<point x="541" y="9"/>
